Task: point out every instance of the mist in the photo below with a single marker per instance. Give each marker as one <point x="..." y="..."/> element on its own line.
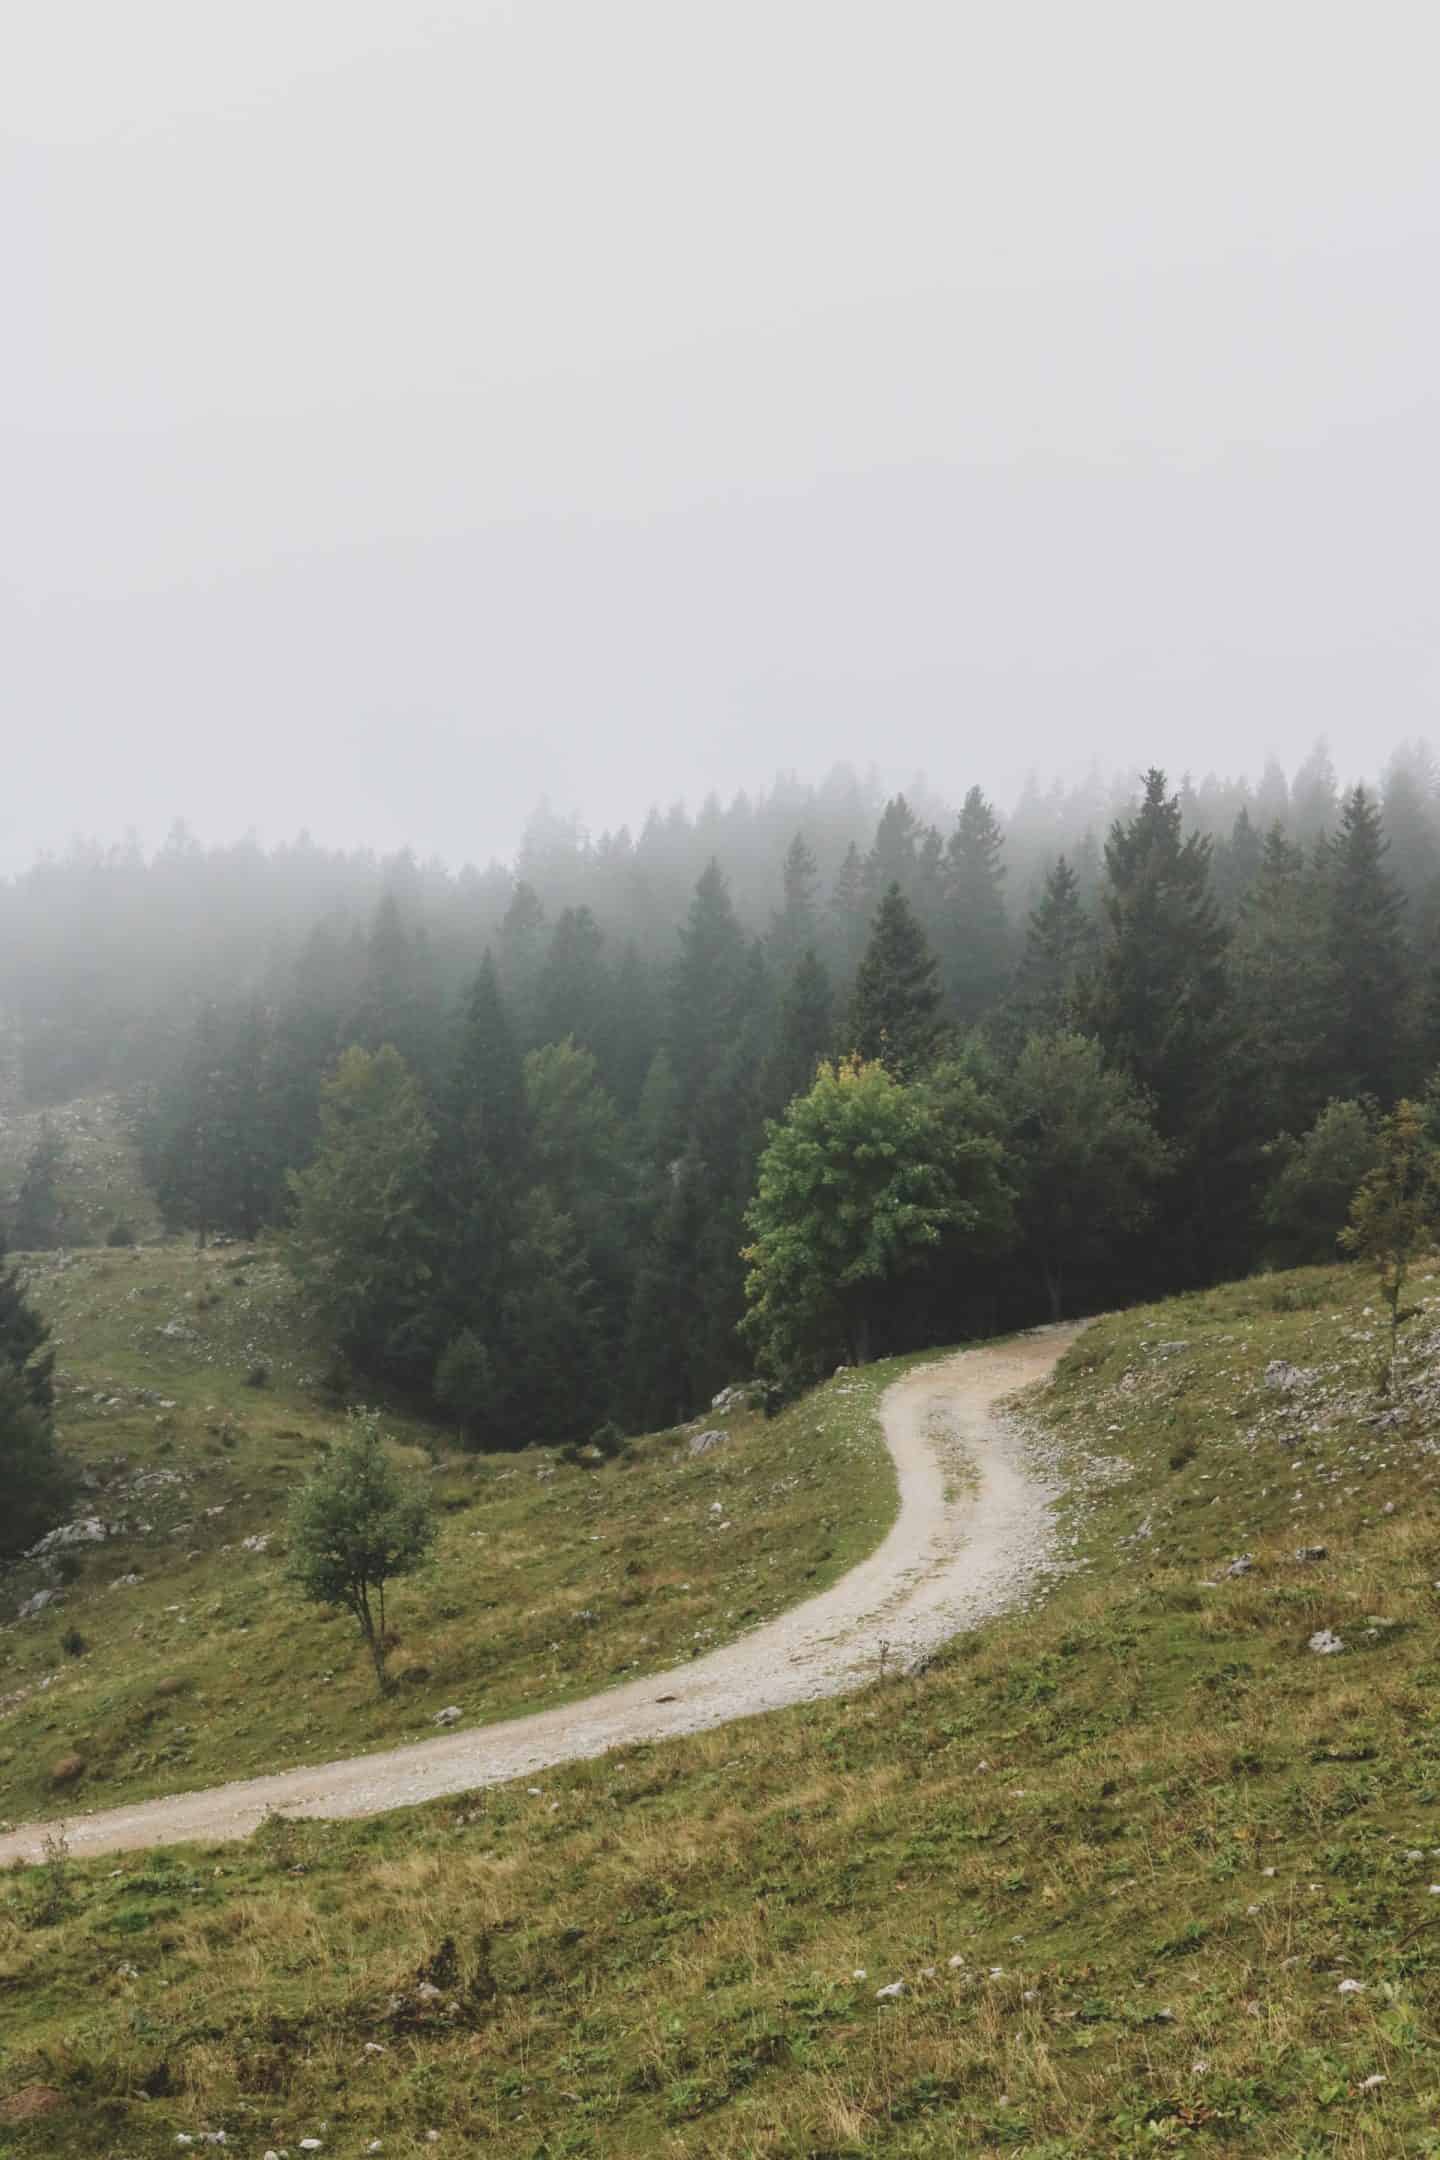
<point x="414" y="412"/>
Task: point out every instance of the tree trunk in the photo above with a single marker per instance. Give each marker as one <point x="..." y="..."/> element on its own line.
<point x="1052" y="1289"/>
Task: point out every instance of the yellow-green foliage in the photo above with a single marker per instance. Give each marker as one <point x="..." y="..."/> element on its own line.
<point x="1155" y="1830"/>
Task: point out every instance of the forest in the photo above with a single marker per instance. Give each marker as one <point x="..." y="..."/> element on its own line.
<point x="571" y="1143"/>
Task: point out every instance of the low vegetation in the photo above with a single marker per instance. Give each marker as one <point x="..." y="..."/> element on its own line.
<point x="173" y="1652"/>
<point x="1147" y="1869"/>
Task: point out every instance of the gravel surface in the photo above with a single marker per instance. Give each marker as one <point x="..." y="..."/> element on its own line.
<point x="973" y="1535"/>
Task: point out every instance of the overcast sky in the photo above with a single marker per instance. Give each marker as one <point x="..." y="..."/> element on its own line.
<point x="408" y="410"/>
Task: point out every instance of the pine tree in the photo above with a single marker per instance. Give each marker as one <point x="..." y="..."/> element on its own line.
<point x="1237" y="864"/>
<point x="1313" y="797"/>
<point x="37" y="1209"/>
<point x="708" y="985"/>
<point x="1283" y="990"/>
<point x="977" y="936"/>
<point x="1366" y="949"/>
<point x="892" y="858"/>
<point x="803" y="1037"/>
<point x="1059" y="942"/>
<point x="572" y="994"/>
<point x="1156" y="998"/>
<point x="894" y="1011"/>
<point x="849" y="913"/>
<point x="793" y="927"/>
<point x="33" y="1480"/>
<point x="520" y="957"/>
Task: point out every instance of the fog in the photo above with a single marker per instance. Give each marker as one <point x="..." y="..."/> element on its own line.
<point x="411" y="411"/>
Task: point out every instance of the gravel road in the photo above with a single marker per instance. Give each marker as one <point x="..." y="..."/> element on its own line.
<point x="972" y="1535"/>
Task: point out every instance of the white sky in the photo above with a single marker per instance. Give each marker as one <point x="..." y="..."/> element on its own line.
<point x="410" y="409"/>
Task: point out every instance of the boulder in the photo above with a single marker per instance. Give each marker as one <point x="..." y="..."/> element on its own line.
<point x="1281" y="1374"/>
<point x="702" y="1442"/>
<point x="450" y="1715"/>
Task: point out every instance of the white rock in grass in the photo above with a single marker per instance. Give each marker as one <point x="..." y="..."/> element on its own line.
<point x="888" y="1994"/>
<point x="1351" y="1987"/>
<point x="1325" y="1642"/>
<point x="1373" y="2082"/>
<point x="450" y="1715"/>
<point x="310" y="2144"/>
<point x="859" y="1973"/>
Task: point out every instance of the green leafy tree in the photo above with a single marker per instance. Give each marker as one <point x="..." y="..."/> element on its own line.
<point x="1393" y="1219"/>
<point x="1085" y="1156"/>
<point x="859" y="1184"/>
<point x="894" y="1012"/>
<point x="356" y="1525"/>
<point x="37" y="1208"/>
<point x="1307" y="1203"/>
<point x="363" y="1242"/>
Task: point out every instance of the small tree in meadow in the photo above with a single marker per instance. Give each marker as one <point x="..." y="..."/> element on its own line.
<point x="1393" y="1218"/>
<point x="355" y="1525"/>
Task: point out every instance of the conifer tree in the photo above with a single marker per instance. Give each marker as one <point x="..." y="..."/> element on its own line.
<point x="849" y="913"/>
<point x="520" y="956"/>
<point x="977" y="935"/>
<point x="894" y="1012"/>
<point x="892" y="857"/>
<point x="34" y="1485"/>
<point x="803" y="1035"/>
<point x="572" y="994"/>
<point x="1366" y="949"/>
<point x="794" y="925"/>
<point x="1283" y="989"/>
<point x="37" y="1209"/>
<point x="1059" y="942"/>
<point x="1156" y="998"/>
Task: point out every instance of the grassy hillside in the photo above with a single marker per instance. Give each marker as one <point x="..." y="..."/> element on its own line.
<point x="1153" y="1874"/>
<point x="99" y="1180"/>
<point x="171" y="1653"/>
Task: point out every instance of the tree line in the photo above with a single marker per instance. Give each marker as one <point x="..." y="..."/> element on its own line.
<point x="536" y="1202"/>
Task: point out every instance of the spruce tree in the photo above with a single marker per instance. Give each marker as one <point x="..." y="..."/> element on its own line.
<point x="1059" y="941"/>
<point x="793" y="927"/>
<point x="1156" y="998"/>
<point x="895" y="1008"/>
<point x="1283" y="990"/>
<point x="33" y="1483"/>
<point x="1366" y="949"/>
<point x="849" y="913"/>
<point x="976" y="943"/>
<point x="893" y="857"/>
<point x="37" y="1209"/>
<point x="803" y="1036"/>
<point x="572" y="993"/>
<point x="520" y="956"/>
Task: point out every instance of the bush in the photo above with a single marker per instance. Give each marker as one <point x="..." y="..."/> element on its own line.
<point x="73" y="1643"/>
<point x="258" y="1376"/>
<point x="120" y="1233"/>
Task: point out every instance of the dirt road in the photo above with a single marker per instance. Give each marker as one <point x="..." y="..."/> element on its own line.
<point x="972" y="1533"/>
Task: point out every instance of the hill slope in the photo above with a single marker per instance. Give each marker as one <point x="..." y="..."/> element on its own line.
<point x="168" y="1653"/>
<point x="1149" y="1870"/>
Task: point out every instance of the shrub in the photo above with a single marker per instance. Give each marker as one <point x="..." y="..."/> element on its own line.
<point x="120" y="1233"/>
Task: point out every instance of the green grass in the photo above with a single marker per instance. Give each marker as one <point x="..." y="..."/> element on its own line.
<point x="1154" y="1829"/>
<point x="550" y="1580"/>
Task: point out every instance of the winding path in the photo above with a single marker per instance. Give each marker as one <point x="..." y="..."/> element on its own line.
<point x="972" y="1533"/>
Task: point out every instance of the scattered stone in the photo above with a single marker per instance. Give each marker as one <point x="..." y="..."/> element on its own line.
<point x="896" y="1987"/>
<point x="1312" y="1552"/>
<point x="1351" y="1987"/>
<point x="1373" y="2082"/>
<point x="260" y="1543"/>
<point x="1325" y="1642"/>
<point x="701" y="1443"/>
<point x="1281" y="1374"/>
<point x="66" y="1769"/>
<point x="860" y="1973"/>
<point x="373" y="2047"/>
<point x="1242" y="1564"/>
<point x="37" y="1604"/>
<point x="450" y="1715"/>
